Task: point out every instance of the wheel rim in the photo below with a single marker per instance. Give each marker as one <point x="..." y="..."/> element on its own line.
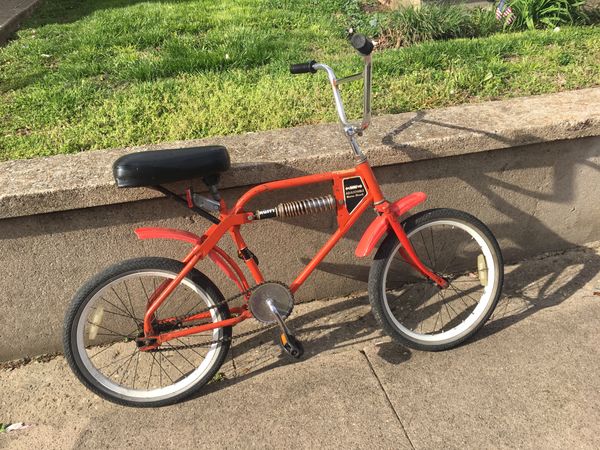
<point x="102" y="355"/>
<point x="418" y="295"/>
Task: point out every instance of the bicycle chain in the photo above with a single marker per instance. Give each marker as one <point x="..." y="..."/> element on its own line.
<point x="217" y="305"/>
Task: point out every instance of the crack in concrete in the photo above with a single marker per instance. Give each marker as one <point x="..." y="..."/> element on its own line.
<point x="389" y="402"/>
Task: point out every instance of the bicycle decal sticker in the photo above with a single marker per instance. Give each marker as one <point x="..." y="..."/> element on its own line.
<point x="354" y="192"/>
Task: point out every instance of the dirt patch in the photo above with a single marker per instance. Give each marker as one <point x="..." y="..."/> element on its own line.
<point x="15" y="364"/>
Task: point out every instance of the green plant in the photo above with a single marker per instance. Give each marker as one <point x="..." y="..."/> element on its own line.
<point x="484" y="22"/>
<point x="3" y="427"/>
<point x="408" y="25"/>
<point x="531" y="14"/>
<point x="219" y="376"/>
<point x="413" y="25"/>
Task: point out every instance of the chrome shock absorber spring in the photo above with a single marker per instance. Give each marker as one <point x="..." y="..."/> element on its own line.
<point x="298" y="208"/>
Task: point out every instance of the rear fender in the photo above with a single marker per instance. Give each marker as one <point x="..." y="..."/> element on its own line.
<point x="217" y="255"/>
<point x="379" y="226"/>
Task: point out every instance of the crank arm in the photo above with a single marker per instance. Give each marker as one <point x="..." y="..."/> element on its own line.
<point x="280" y="322"/>
<point x="290" y="344"/>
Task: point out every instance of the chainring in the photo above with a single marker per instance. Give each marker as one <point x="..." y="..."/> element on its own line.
<point x="280" y="296"/>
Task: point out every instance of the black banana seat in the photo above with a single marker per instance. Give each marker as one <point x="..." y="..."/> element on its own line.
<point x="153" y="168"/>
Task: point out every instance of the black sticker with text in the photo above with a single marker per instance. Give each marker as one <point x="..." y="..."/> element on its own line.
<point x="354" y="192"/>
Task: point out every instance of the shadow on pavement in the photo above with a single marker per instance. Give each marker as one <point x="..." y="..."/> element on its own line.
<point x="350" y="324"/>
<point x="531" y="286"/>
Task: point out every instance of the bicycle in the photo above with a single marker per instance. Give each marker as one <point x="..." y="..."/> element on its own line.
<point x="132" y="337"/>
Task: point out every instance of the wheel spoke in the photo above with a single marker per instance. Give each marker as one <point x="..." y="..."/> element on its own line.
<point x="103" y="350"/>
<point x="113" y="333"/>
<point x="122" y="302"/>
<point x="163" y="370"/>
<point x="432" y="248"/>
<point x="192" y="349"/>
<point x="131" y="355"/>
<point x="114" y="362"/>
<point x="445" y="303"/>
<point x="450" y="306"/>
<point x="118" y="314"/>
<point x="436" y="322"/>
<point x="178" y="369"/>
<point x="426" y="250"/>
<point x="476" y="301"/>
<point x="150" y="374"/>
<point x="458" y="295"/>
<point x="180" y="354"/>
<point x="120" y="309"/>
<point x="137" y="361"/>
<point x="130" y="304"/>
<point x="160" y="368"/>
<point x="181" y="303"/>
<point x="193" y="307"/>
<point x="128" y="364"/>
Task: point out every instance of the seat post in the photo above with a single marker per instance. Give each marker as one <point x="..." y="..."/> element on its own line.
<point x="194" y="208"/>
<point x="211" y="182"/>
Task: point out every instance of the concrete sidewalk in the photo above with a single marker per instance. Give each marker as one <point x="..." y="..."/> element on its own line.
<point x="529" y="380"/>
<point x="12" y="13"/>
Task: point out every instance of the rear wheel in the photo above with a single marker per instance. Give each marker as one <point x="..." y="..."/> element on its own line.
<point x="106" y="317"/>
<point x="413" y="309"/>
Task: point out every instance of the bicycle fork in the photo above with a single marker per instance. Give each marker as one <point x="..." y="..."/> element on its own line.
<point x="408" y="252"/>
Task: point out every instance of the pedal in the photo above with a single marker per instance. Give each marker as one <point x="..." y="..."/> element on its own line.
<point x="288" y="342"/>
<point x="291" y="345"/>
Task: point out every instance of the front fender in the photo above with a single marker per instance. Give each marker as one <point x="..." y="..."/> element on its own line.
<point x="217" y="255"/>
<point x="379" y="226"/>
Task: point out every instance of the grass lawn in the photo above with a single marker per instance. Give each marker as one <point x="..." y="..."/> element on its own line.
<point x="109" y="73"/>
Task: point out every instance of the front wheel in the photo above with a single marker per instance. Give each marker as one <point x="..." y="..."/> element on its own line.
<point x="414" y="310"/>
<point x="106" y="317"/>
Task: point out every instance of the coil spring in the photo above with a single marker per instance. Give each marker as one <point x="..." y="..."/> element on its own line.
<point x="306" y="206"/>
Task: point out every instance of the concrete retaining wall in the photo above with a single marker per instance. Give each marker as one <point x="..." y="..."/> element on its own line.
<point x="529" y="168"/>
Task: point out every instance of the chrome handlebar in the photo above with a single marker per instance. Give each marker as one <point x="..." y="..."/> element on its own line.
<point x="364" y="47"/>
<point x="339" y="104"/>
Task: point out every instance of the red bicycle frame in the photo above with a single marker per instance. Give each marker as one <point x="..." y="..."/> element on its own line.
<point x="232" y="220"/>
<point x="354" y="191"/>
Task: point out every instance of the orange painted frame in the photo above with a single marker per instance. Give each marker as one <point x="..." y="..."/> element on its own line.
<point x="231" y="221"/>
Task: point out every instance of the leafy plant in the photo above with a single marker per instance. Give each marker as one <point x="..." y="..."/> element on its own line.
<point x="3" y="427"/>
<point x="531" y="14"/>
<point x="409" y="25"/>
<point x="219" y="376"/>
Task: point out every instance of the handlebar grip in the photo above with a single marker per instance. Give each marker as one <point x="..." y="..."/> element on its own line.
<point x="303" y="68"/>
<point x="362" y="44"/>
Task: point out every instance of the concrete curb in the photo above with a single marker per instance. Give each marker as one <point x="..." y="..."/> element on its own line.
<point x="15" y="13"/>
<point x="68" y="182"/>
